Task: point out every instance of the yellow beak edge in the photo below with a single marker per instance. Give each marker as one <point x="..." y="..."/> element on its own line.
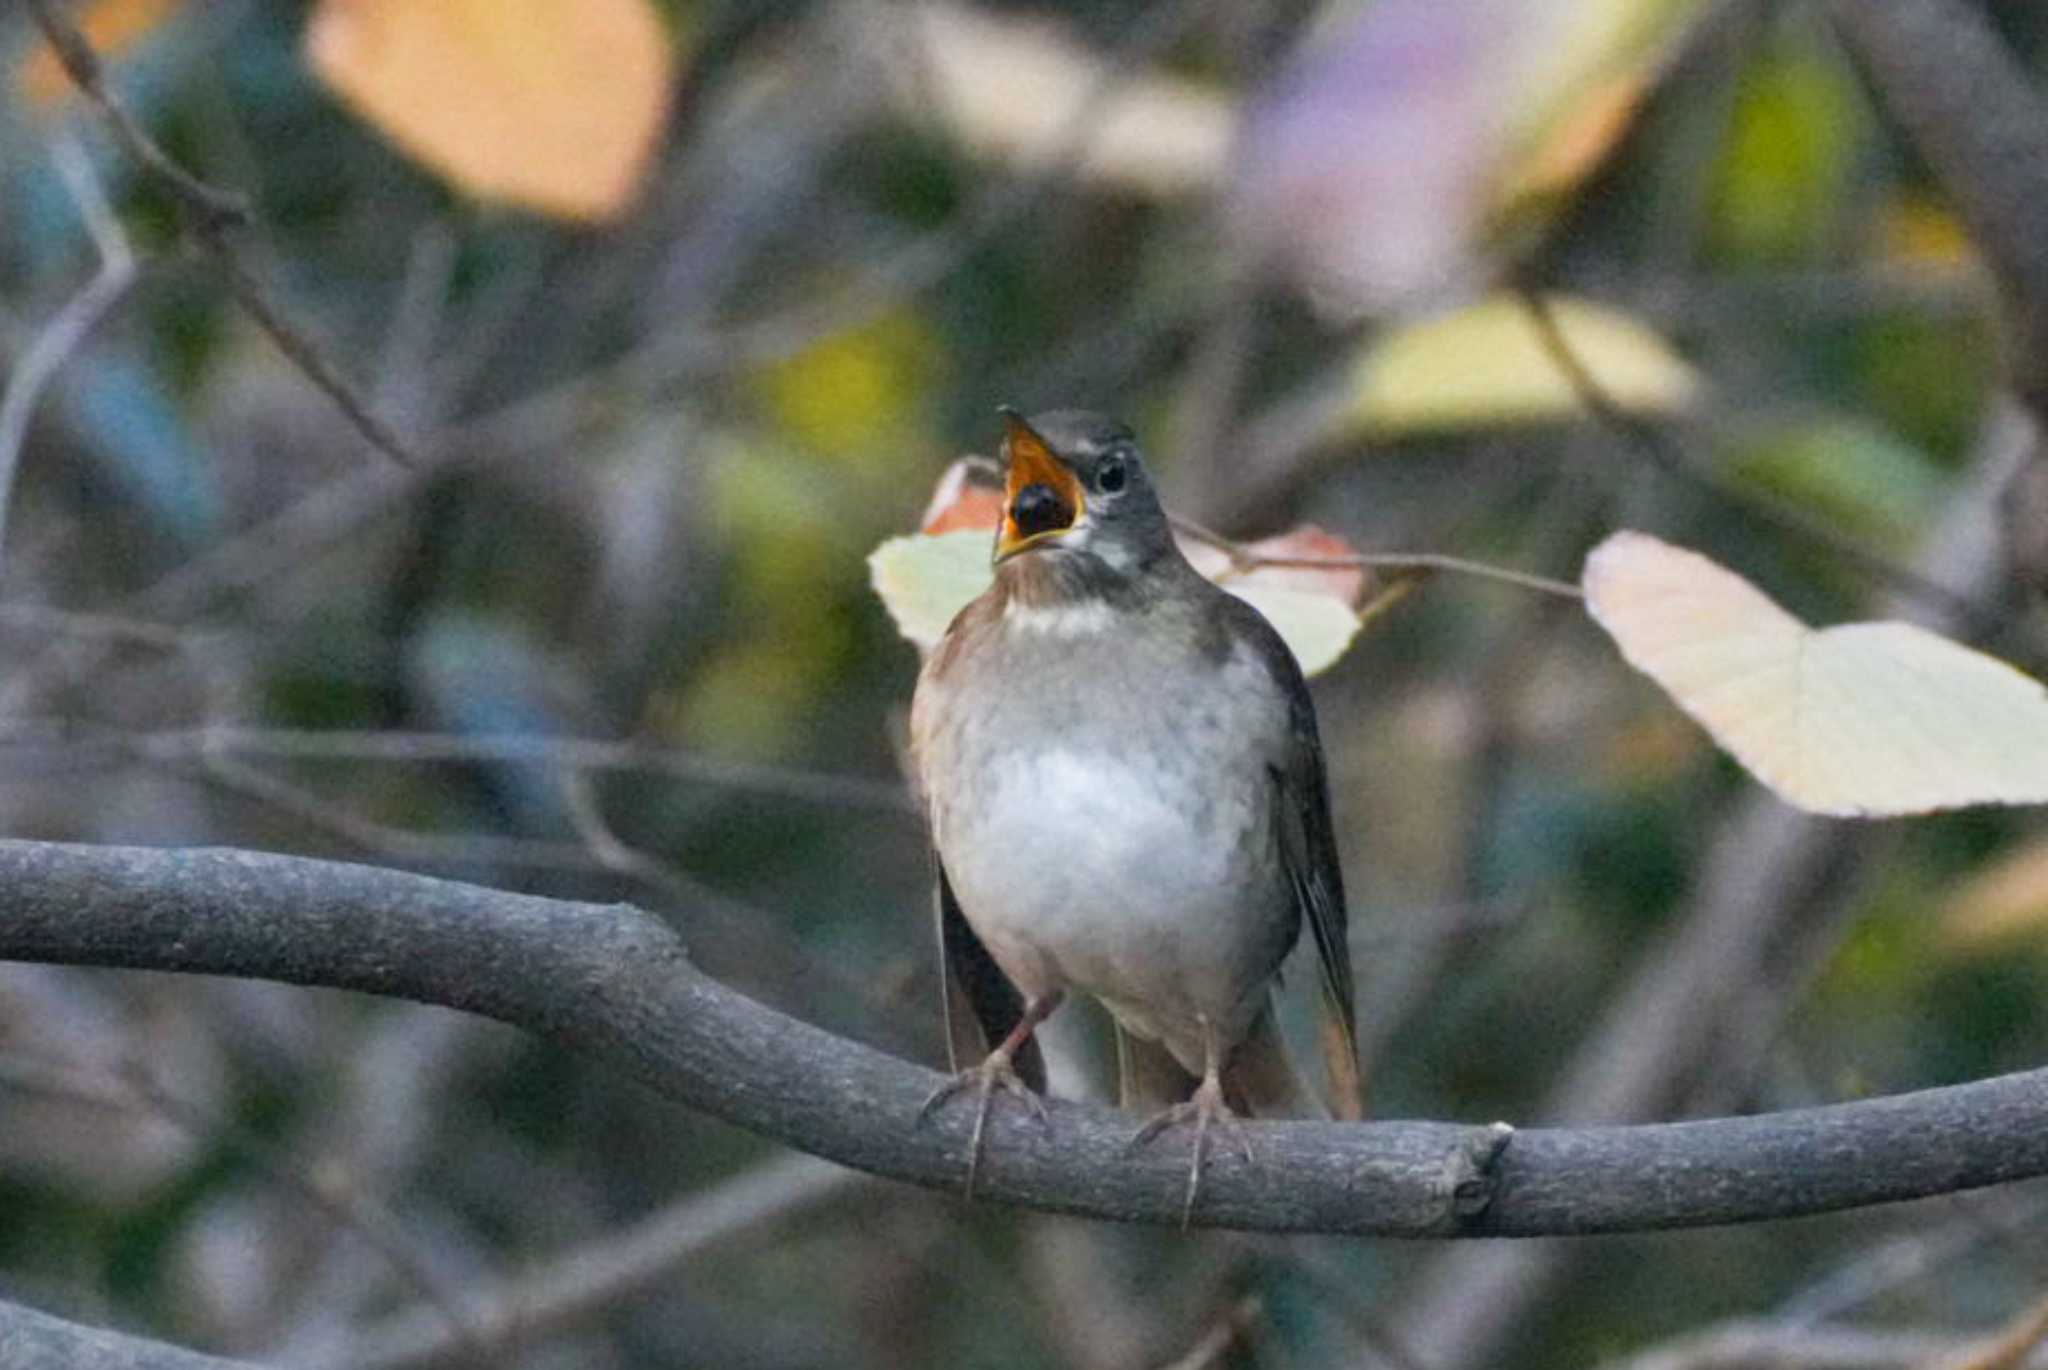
<point x="1027" y="462"/>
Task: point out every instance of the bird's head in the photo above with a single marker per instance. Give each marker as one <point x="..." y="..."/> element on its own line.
<point x="1075" y="486"/>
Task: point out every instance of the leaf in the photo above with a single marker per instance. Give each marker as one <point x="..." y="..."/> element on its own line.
<point x="1859" y="720"/>
<point x="928" y="577"/>
<point x="1026" y="91"/>
<point x="554" y="105"/>
<point x="2004" y="903"/>
<point x="110" y="26"/>
<point x="1409" y="144"/>
<point x="1487" y="365"/>
<point x="1858" y="476"/>
<point x="969" y="495"/>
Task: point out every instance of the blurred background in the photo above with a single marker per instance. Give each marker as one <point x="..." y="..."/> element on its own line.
<point x="679" y="310"/>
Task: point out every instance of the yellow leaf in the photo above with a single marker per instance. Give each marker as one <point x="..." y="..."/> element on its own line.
<point x="1584" y="133"/>
<point x="1912" y="231"/>
<point x="852" y="394"/>
<point x="110" y="26"/>
<point x="2004" y="903"/>
<point x="926" y="579"/>
<point x="1859" y="720"/>
<point x="1487" y="365"/>
<point x="1026" y="91"/>
<point x="1573" y="81"/>
<point x="550" y="104"/>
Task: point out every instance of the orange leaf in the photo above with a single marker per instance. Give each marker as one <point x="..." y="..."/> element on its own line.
<point x="969" y="495"/>
<point x="111" y="26"/>
<point x="550" y="104"/>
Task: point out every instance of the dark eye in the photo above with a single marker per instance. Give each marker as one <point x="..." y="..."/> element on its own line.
<point x="1112" y="475"/>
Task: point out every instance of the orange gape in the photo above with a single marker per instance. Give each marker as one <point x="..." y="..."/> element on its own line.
<point x="1029" y="463"/>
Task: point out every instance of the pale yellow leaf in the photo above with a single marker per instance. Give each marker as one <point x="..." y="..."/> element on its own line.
<point x="2005" y="902"/>
<point x="926" y="579"/>
<point x="1487" y="365"/>
<point x="1025" y="90"/>
<point x="554" y="105"/>
<point x="1858" y="720"/>
<point x="1579" y="71"/>
<point x="1316" y="627"/>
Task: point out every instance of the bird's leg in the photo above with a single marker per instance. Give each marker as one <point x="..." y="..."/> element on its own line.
<point x="1204" y="1107"/>
<point x="996" y="1073"/>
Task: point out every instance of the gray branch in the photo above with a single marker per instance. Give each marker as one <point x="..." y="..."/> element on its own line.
<point x="1970" y="108"/>
<point x="30" y="1340"/>
<point x="615" y="984"/>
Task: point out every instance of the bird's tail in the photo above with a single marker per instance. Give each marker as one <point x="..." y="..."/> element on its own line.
<point x="1258" y="1080"/>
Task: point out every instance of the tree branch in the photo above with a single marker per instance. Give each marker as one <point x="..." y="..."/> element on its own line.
<point x="30" y="1340"/>
<point x="612" y="982"/>
<point x="1971" y="109"/>
<point x="209" y="214"/>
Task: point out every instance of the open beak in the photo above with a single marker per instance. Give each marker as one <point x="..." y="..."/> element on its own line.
<point x="1041" y="496"/>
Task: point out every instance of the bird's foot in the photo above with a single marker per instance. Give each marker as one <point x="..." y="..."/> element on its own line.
<point x="1205" y="1108"/>
<point x="996" y="1073"/>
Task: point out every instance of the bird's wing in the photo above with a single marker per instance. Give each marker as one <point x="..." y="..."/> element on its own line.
<point x="980" y="1003"/>
<point x="1308" y="853"/>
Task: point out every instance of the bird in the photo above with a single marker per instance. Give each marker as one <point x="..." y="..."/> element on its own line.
<point x="1126" y="797"/>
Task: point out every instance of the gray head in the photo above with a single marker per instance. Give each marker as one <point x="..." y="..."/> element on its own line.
<point x="1075" y="487"/>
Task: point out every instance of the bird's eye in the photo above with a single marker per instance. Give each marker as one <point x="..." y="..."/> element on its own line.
<point x="1112" y="475"/>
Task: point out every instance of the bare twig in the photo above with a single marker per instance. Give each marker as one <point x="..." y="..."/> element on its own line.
<point x="564" y="753"/>
<point x="582" y="1282"/>
<point x="39" y="1341"/>
<point x="209" y="214"/>
<point x="568" y="754"/>
<point x="132" y="1087"/>
<point x="1914" y="1254"/>
<point x="1976" y="114"/>
<point x="1235" y="1326"/>
<point x="61" y="337"/>
<point x="2009" y="1348"/>
<point x="1244" y="559"/>
<point x="1662" y="451"/>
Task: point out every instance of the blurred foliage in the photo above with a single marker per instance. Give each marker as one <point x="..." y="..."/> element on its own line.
<point x="665" y="445"/>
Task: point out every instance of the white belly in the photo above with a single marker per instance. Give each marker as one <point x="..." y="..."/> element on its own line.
<point x="1077" y="869"/>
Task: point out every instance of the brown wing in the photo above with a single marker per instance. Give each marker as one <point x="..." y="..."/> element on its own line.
<point x="1308" y="851"/>
<point x="981" y="1005"/>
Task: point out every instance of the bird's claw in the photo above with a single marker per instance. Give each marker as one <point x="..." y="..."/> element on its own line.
<point x="985" y="1079"/>
<point x="1205" y="1109"/>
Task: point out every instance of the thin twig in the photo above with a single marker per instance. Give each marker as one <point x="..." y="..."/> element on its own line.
<point x="609" y="850"/>
<point x="564" y="753"/>
<point x="1234" y="1326"/>
<point x="209" y="214"/>
<point x="131" y="1087"/>
<point x="392" y="843"/>
<point x="68" y="328"/>
<point x="1663" y="452"/>
<point x="2009" y="1348"/>
<point x="582" y="1282"/>
<point x="1244" y="559"/>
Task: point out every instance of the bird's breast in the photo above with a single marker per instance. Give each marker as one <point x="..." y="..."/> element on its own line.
<point x="1106" y="821"/>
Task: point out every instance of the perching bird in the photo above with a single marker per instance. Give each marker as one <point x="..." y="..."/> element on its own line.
<point x="1126" y="793"/>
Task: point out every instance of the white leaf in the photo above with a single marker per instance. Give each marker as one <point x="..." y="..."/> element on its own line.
<point x="1863" y="719"/>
